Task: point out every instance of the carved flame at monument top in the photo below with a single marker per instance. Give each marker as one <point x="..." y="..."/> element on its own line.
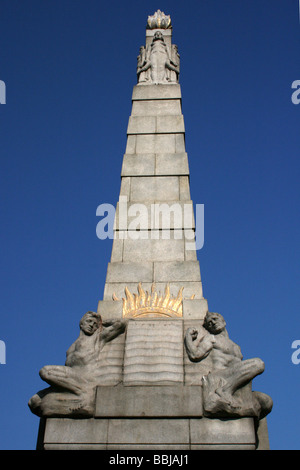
<point x="159" y="21"/>
<point x="146" y="303"/>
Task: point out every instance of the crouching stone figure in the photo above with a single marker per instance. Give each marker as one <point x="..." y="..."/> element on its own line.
<point x="72" y="386"/>
<point x="227" y="388"/>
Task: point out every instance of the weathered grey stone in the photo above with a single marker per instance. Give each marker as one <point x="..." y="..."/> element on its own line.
<point x="160" y="434"/>
<point x="263" y="435"/>
<point x="177" y="271"/>
<point x="110" y="373"/>
<point x="125" y="187"/>
<point x="72" y="431"/>
<point x="153" y="352"/>
<point x="156" y="108"/>
<point x="190" y="245"/>
<point x="138" y="165"/>
<point x="179" y="143"/>
<point x="194" y="309"/>
<point x="156" y="143"/>
<point x="224" y="432"/>
<point x="141" y="125"/>
<point x="228" y="447"/>
<point x="75" y="446"/>
<point x="169" y="124"/>
<point x="184" y="188"/>
<point x="155" y="124"/>
<point x="117" y="251"/>
<point x="156" y="92"/>
<point x="172" y="164"/>
<point x="153" y="250"/>
<point x="159" y="188"/>
<point x="130" y="272"/>
<point x="151" y="447"/>
<point x="131" y="144"/>
<point x="148" y="431"/>
<point x="110" y="309"/>
<point x="175" y="401"/>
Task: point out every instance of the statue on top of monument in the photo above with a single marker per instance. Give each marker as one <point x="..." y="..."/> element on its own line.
<point x="227" y="387"/>
<point x="72" y="386"/>
<point x="156" y="64"/>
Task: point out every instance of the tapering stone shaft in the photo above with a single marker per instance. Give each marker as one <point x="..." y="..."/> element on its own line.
<point x="154" y="184"/>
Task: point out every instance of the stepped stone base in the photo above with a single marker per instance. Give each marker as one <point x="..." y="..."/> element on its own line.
<point x="150" y="418"/>
<point x="149" y="434"/>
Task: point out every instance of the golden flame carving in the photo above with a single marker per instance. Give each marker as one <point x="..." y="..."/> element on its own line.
<point x="159" y="20"/>
<point x="150" y="303"/>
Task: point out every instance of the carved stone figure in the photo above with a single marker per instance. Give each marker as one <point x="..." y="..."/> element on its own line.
<point x="173" y="67"/>
<point x="72" y="386"/>
<point x="155" y="64"/>
<point x="227" y="387"/>
<point x="143" y="75"/>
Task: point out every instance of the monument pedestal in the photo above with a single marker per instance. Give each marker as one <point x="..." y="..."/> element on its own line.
<point x="150" y="418"/>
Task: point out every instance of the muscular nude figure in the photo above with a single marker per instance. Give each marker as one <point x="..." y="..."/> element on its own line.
<point x="229" y="370"/>
<point x="72" y="385"/>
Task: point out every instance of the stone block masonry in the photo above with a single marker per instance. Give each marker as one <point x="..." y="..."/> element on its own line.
<point x="143" y="381"/>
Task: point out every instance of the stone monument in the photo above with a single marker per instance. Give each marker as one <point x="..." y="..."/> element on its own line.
<point x="153" y="368"/>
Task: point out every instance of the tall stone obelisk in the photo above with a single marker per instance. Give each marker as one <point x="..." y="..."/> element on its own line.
<point x="153" y="254"/>
<point x="159" y="371"/>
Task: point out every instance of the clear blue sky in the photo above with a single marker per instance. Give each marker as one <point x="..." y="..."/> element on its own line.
<point x="69" y="69"/>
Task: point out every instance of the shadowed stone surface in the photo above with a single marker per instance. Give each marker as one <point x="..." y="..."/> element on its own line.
<point x="155" y="401"/>
<point x="155" y="434"/>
